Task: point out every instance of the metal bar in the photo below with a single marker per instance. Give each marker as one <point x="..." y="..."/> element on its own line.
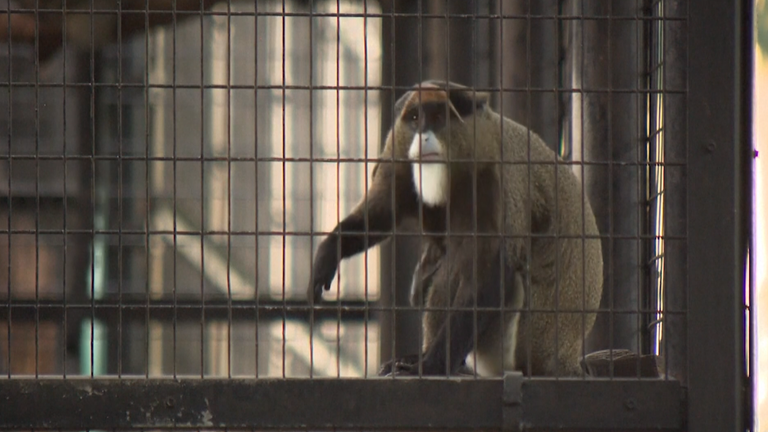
<point x="611" y="132"/>
<point x="339" y="404"/>
<point x="207" y="13"/>
<point x="133" y="311"/>
<point x="673" y="344"/>
<point x="612" y="405"/>
<point x="719" y="152"/>
<point x="401" y="70"/>
<point x="528" y="55"/>
<point x="542" y="48"/>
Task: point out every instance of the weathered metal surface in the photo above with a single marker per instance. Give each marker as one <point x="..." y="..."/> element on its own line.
<point x="341" y="404"/>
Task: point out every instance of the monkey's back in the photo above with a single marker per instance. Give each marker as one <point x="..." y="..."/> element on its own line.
<point x="552" y="245"/>
<point x="555" y="241"/>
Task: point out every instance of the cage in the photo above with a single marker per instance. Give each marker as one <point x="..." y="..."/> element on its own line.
<point x="168" y="170"/>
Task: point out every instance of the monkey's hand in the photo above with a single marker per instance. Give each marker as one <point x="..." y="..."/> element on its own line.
<point x="323" y="270"/>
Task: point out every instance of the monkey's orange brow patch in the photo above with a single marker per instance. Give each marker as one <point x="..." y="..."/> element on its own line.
<point x="426" y="95"/>
<point x="429" y="93"/>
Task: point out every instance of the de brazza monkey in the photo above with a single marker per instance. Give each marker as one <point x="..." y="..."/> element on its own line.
<point x="505" y="224"/>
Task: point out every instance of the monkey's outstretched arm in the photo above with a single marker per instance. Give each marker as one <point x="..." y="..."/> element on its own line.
<point x="374" y="215"/>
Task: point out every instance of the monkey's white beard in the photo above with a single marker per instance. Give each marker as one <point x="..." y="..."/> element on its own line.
<point x="431" y="178"/>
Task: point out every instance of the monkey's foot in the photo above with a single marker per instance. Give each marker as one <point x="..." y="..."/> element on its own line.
<point x="409" y="366"/>
<point x="401" y="366"/>
<point x="465" y="371"/>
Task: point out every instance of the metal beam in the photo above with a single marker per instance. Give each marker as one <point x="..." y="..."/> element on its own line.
<point x="719" y="165"/>
<point x="412" y="403"/>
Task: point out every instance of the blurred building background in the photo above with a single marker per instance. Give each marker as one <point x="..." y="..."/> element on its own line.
<point x="189" y="188"/>
<point x="761" y="212"/>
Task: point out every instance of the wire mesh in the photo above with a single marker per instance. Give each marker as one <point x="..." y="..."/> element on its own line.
<point x="205" y="163"/>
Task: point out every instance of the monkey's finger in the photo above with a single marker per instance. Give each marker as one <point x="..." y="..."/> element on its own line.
<point x="405" y="370"/>
<point x="399" y="367"/>
<point x="319" y="293"/>
<point x="314" y="293"/>
<point x="311" y="291"/>
<point x="387" y="368"/>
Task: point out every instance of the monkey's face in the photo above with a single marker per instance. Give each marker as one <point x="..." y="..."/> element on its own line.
<point x="433" y="129"/>
<point x="429" y="122"/>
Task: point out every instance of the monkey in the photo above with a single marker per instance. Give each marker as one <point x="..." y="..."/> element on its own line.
<point x="506" y="226"/>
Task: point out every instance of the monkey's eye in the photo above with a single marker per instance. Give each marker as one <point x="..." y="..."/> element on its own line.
<point x="415" y="116"/>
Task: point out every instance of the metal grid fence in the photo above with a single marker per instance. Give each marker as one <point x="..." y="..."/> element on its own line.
<point x="168" y="168"/>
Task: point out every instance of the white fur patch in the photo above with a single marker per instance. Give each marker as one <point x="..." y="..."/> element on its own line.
<point x="431" y="177"/>
<point x="493" y="361"/>
<point x="496" y="352"/>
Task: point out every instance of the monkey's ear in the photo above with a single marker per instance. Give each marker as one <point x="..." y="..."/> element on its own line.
<point x="467" y="102"/>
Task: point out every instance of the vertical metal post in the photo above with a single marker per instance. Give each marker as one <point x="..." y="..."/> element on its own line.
<point x="673" y="129"/>
<point x="415" y="49"/>
<point x="529" y="57"/>
<point x="456" y="44"/>
<point x="719" y="184"/>
<point x="400" y="68"/>
<point x="610" y="59"/>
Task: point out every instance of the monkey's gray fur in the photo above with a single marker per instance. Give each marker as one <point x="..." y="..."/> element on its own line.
<point x="553" y="262"/>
